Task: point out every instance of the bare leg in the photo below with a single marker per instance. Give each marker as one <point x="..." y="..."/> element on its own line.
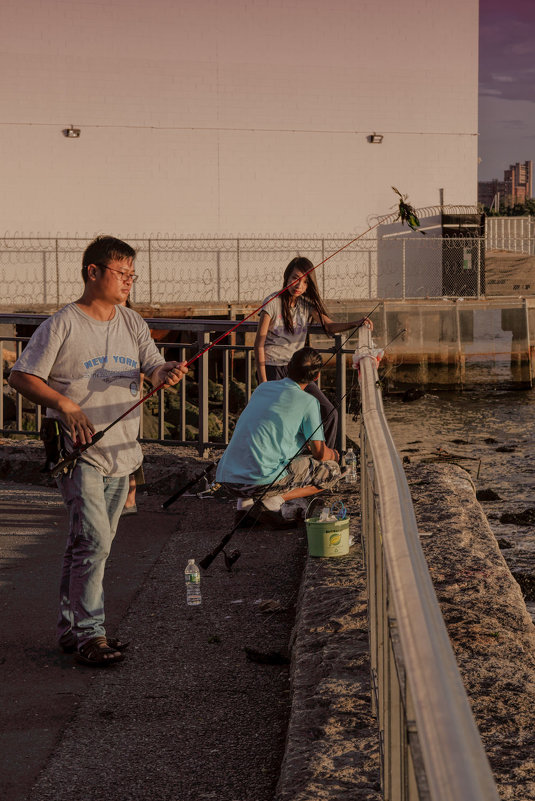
<point x="300" y="492"/>
<point x="131" y="497"/>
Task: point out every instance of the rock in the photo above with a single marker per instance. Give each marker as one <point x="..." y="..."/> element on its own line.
<point x="487" y="495"/>
<point x="9" y="357"/>
<point x="490" y="440"/>
<point x="237" y="396"/>
<point x="150" y="426"/>
<point x="215" y="391"/>
<point x="460" y="441"/>
<point x="271" y="657"/>
<point x="503" y="543"/>
<point x="412" y="395"/>
<point x="10" y="408"/>
<point x="525" y="518"/>
<point x="506" y="449"/>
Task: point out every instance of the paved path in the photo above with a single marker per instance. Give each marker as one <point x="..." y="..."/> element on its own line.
<point x="187" y="715"/>
<point x="41" y="686"/>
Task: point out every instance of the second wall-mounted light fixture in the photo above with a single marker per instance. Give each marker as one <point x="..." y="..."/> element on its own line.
<point x="71" y="133"/>
<point x="375" y="138"/>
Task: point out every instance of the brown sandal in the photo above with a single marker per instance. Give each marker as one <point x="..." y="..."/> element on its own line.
<point x="98" y="653"/>
<point x="68" y="645"/>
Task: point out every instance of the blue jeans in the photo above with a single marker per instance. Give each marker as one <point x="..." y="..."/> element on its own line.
<point x="95" y="503"/>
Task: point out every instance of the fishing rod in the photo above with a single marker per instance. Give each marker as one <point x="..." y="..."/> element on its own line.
<point x="65" y="463"/>
<point x="235" y="555"/>
<point x="403" y="212"/>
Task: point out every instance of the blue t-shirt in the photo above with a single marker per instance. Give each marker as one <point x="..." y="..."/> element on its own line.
<point x="272" y="428"/>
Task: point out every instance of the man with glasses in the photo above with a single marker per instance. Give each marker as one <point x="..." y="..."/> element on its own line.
<point x="84" y="365"/>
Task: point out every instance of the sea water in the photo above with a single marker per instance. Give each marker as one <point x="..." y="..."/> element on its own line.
<point x="496" y="430"/>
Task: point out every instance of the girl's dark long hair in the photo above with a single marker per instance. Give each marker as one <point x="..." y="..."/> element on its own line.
<point x="312" y="292"/>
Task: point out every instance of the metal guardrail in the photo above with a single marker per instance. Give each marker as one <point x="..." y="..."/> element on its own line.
<point x="200" y="331"/>
<point x="512" y="234"/>
<point x="430" y="747"/>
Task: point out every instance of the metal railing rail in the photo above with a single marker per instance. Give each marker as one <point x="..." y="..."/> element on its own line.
<point x="513" y="234"/>
<point x="431" y="749"/>
<point x="200" y="331"/>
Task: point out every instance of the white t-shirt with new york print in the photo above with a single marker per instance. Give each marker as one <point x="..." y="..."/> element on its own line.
<point x="97" y="365"/>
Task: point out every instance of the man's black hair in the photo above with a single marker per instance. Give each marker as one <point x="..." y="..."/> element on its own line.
<point x="104" y="249"/>
<point x="305" y="365"/>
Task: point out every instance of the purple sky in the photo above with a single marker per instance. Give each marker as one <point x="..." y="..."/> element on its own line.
<point x="506" y="85"/>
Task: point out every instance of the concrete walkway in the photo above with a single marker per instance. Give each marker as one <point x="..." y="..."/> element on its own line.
<point x="40" y="686"/>
<point x="187" y="715"/>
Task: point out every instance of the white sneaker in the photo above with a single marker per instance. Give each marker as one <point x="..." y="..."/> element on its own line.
<point x="273" y="503"/>
<point x="244" y="503"/>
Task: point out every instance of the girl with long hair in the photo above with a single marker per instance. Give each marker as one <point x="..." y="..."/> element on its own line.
<point x="283" y="329"/>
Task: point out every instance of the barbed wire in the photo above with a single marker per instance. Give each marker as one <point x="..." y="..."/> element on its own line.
<point x="394" y="263"/>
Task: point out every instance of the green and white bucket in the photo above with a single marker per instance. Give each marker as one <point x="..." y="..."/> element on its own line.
<point x="329" y="538"/>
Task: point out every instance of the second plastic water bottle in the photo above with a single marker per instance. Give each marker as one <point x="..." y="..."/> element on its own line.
<point x="193" y="583"/>
<point x="351" y="466"/>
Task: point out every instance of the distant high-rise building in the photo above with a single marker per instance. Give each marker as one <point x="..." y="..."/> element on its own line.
<point x="516" y="187"/>
<point x="489" y="193"/>
<point x="518" y="183"/>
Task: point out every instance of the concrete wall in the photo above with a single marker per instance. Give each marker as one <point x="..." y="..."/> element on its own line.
<point x="233" y="117"/>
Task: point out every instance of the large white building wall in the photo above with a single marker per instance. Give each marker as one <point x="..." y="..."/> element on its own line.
<point x="222" y="117"/>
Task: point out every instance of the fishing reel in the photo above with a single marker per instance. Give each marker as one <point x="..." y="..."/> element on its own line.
<point x="231" y="558"/>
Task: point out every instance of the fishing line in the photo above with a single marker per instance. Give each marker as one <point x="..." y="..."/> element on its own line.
<point x="79" y="450"/>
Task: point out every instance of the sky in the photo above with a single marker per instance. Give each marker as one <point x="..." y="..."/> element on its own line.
<point x="506" y="85"/>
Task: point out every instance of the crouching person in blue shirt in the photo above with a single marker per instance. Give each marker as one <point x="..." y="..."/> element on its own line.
<point x="276" y="423"/>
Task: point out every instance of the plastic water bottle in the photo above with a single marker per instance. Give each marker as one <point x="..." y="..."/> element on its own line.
<point x="351" y="466"/>
<point x="193" y="583"/>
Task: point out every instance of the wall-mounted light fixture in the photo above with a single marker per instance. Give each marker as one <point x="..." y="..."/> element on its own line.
<point x="71" y="133"/>
<point x="375" y="138"/>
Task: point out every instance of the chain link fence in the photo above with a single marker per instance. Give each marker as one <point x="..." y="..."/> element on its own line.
<point x="46" y="272"/>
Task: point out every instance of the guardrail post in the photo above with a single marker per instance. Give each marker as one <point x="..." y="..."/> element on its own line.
<point x="341" y="384"/>
<point x="226" y="394"/>
<point x="203" y="340"/>
<point x="248" y="374"/>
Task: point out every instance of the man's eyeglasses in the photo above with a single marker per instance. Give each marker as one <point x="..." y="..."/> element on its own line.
<point x="127" y="277"/>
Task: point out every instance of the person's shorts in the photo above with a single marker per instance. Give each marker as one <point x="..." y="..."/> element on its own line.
<point x="303" y="471"/>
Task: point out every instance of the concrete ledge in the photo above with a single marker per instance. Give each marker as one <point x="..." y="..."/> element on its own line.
<point x="332" y="747"/>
